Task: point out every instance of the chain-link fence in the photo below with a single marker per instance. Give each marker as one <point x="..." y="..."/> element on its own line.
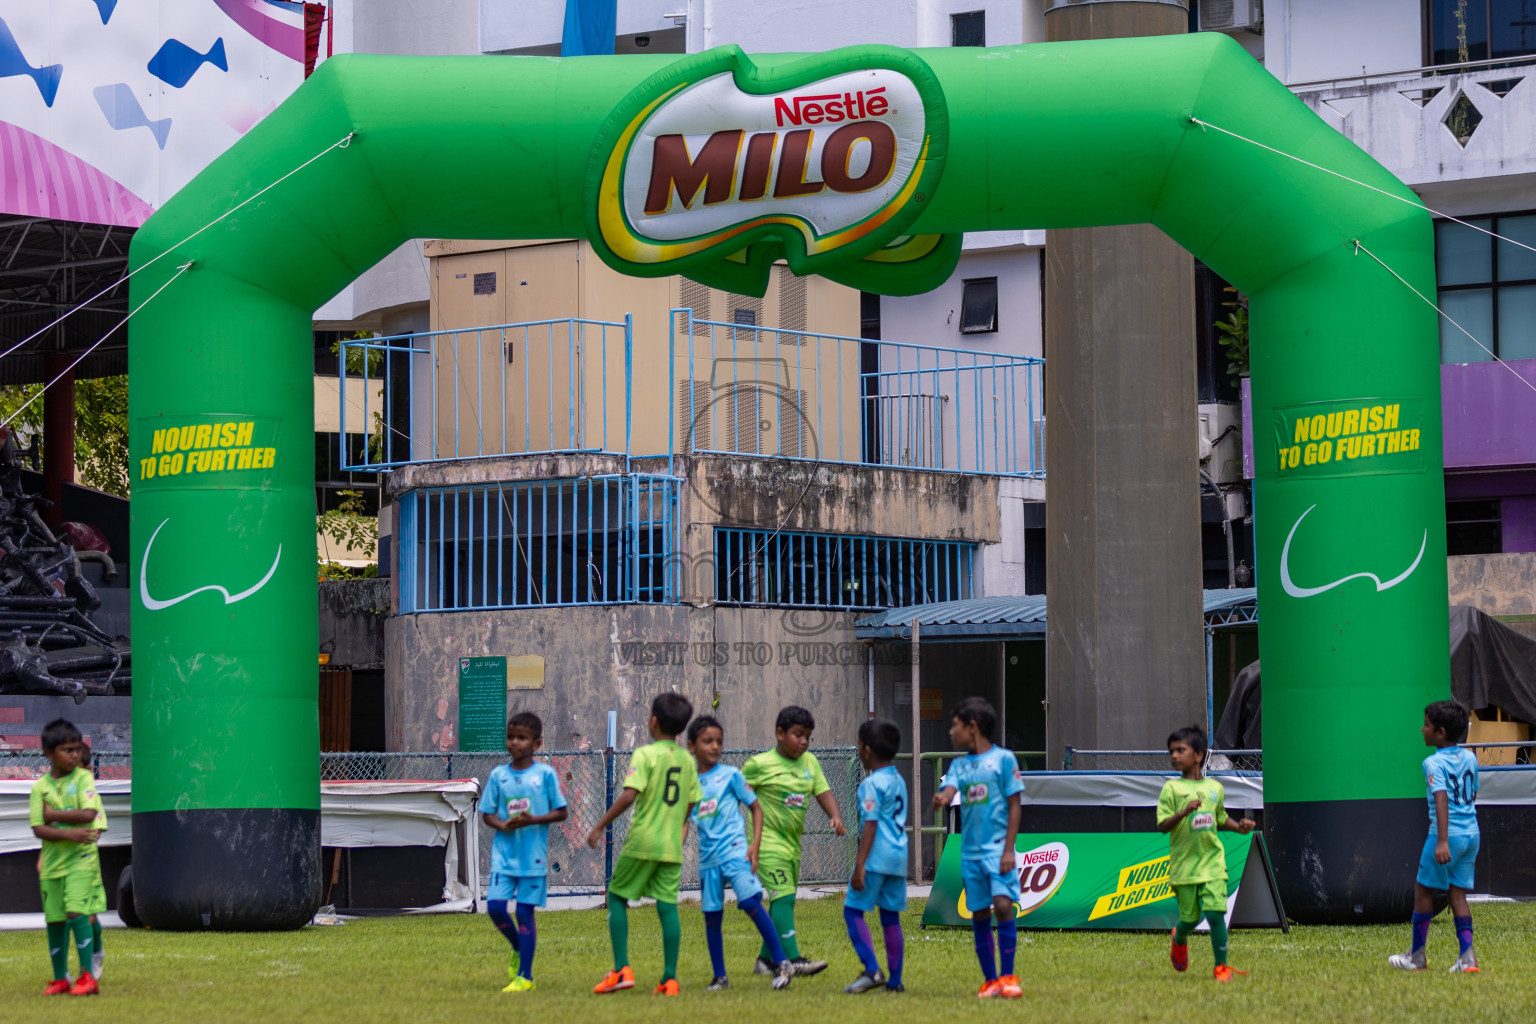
<point x="590" y="780"/>
<point x="1217" y="763"/>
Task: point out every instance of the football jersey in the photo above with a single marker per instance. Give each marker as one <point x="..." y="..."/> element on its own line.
<point x="883" y="800"/>
<point x="508" y="792"/>
<point x="74" y="792"/>
<point x="786" y="786"/>
<point x="984" y="782"/>
<point x="1195" y="853"/>
<point x="1453" y="771"/>
<point x="667" y="780"/>
<point x="717" y="816"/>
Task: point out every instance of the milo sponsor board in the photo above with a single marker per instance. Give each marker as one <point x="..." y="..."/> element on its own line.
<point x="1110" y="881"/>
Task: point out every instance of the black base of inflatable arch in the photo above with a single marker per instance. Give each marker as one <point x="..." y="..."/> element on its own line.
<point x="226" y="870"/>
<point x="1346" y="861"/>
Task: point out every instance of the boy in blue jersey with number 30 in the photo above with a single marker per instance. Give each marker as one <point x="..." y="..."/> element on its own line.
<point x="989" y="782"/>
<point x="880" y="867"/>
<point x="1450" y="776"/>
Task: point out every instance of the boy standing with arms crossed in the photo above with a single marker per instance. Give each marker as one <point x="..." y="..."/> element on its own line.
<point x="1192" y="810"/>
<point x="989" y="782"/>
<point x="521" y="801"/>
<point x="783" y="778"/>
<point x="880" y="867"/>
<point x="663" y="786"/>
<point x="1450" y="851"/>
<point x="725" y="855"/>
<point x="70" y="866"/>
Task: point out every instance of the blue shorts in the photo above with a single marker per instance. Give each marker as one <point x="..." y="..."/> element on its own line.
<point x="528" y="889"/>
<point x="888" y="892"/>
<point x="982" y="884"/>
<point x="1458" y="873"/>
<point x="738" y="873"/>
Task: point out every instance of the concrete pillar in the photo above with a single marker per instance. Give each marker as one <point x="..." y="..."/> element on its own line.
<point x="58" y="436"/>
<point x="1124" y="649"/>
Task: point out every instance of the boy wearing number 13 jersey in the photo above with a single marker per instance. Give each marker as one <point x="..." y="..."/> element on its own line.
<point x="663" y="786"/>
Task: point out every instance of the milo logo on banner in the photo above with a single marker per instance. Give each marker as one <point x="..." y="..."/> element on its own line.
<point x="720" y="167"/>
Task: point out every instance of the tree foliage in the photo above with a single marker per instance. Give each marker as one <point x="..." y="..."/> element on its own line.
<point x="101" y="428"/>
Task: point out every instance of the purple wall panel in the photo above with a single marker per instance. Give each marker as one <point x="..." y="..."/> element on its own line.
<point x="1490" y="414"/>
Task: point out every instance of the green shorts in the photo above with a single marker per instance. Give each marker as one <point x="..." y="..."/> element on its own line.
<point x="1201" y="896"/>
<point x="780" y="878"/>
<point x="79" y="892"/>
<point x="635" y="879"/>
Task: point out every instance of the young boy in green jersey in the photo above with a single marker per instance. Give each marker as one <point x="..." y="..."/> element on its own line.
<point x="1192" y="809"/>
<point x="69" y="870"/>
<point x="783" y="778"/>
<point x="662" y="785"/>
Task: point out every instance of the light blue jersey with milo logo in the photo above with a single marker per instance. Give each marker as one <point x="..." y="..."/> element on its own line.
<point x="883" y="800"/>
<point x="717" y="816"/>
<point x="985" y="782"/>
<point x="523" y="852"/>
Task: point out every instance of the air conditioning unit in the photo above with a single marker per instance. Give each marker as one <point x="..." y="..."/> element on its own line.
<point x="1231" y="15"/>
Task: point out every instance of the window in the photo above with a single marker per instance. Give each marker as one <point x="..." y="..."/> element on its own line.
<point x="1488" y="286"/>
<point x="1461" y="31"/>
<point x="969" y="29"/>
<point x="978" y="306"/>
<point x="1474" y="528"/>
<point x="820" y="570"/>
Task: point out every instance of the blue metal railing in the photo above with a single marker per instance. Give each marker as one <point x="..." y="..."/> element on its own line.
<point x="794" y="394"/>
<point x="568" y="386"/>
<point x="818" y="570"/>
<point x="540" y="543"/>
<point x="517" y="389"/>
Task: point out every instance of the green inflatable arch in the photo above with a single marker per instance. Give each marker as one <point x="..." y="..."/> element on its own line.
<point x="863" y="165"/>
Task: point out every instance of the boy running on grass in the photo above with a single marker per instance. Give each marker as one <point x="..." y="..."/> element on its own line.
<point x="989" y="783"/>
<point x="880" y="867"/>
<point x="521" y="801"/>
<point x="1192" y="809"/>
<point x="70" y="867"/>
<point x="1450" y="852"/>
<point x="783" y="778"/>
<point x="725" y="855"/>
<point x="663" y="786"/>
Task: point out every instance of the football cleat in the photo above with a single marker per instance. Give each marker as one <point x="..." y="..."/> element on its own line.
<point x="57" y="988"/>
<point x="896" y="987"/>
<point x="782" y="973"/>
<point x="1179" y="953"/>
<point x="669" y="987"/>
<point x="520" y="984"/>
<point x="1414" y="961"/>
<point x="85" y="985"/>
<point x="1011" y="989"/>
<point x="616" y="981"/>
<point x="990" y="990"/>
<point x="1224" y="973"/>
<point x="866" y="982"/>
<point x="1465" y="964"/>
<point x="809" y="967"/>
<point x="720" y="984"/>
<point x="762" y="966"/>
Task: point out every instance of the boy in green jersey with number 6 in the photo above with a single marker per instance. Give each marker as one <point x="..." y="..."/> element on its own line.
<point x="662" y="785"/>
<point x="785" y="779"/>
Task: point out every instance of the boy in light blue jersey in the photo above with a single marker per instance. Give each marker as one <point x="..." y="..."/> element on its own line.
<point x="880" y="868"/>
<point x="989" y="782"/>
<point x="520" y="802"/>
<point x="724" y="854"/>
<point x="1450" y="851"/>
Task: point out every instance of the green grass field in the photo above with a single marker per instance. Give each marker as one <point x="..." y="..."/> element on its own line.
<point x="451" y="967"/>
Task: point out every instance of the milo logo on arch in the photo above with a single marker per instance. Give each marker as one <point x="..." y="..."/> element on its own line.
<point x="824" y="162"/>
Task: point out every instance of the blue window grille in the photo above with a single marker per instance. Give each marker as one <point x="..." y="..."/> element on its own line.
<point x="822" y="570"/>
<point x="540" y="543"/>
